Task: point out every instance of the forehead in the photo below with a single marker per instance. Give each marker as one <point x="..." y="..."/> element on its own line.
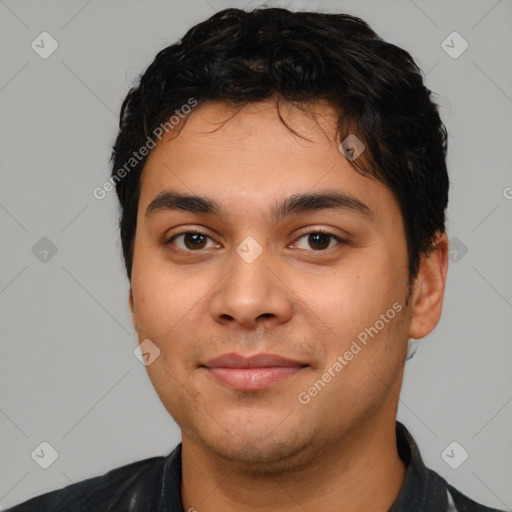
<point x="260" y="130"/>
<point x="251" y="157"/>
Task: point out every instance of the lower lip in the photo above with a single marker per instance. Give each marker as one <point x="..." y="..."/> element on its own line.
<point x="252" y="379"/>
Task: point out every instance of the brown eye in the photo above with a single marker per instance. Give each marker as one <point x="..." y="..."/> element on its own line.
<point x="191" y="241"/>
<point x="194" y="240"/>
<point x="318" y="241"/>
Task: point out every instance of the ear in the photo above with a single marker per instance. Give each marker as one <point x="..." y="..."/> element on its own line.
<point x="132" y="309"/>
<point x="428" y="293"/>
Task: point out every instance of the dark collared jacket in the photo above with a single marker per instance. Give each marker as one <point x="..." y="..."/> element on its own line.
<point x="154" y="485"/>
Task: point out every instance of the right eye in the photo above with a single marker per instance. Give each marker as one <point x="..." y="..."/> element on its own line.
<point x="191" y="241"/>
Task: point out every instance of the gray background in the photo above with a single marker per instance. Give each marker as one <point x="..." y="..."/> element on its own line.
<point x="68" y="373"/>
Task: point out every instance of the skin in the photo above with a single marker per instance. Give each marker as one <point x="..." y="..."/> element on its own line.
<point x="264" y="450"/>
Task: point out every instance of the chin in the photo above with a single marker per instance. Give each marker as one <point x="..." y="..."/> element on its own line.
<point x="259" y="449"/>
<point x="255" y="460"/>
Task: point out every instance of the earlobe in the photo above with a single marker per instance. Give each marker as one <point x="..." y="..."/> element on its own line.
<point x="428" y="293"/>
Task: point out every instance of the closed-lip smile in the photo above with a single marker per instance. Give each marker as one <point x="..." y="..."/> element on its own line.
<point x="251" y="373"/>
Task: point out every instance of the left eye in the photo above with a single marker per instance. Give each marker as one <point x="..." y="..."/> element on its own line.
<point x="192" y="241"/>
<point x="319" y="241"/>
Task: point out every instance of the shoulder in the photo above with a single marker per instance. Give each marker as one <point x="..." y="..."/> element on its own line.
<point x="423" y="488"/>
<point x="119" y="489"/>
<point x="464" y="504"/>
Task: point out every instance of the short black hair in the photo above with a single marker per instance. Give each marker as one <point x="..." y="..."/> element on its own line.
<point x="242" y="57"/>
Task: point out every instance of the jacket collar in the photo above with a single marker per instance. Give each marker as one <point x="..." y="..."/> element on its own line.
<point x="423" y="489"/>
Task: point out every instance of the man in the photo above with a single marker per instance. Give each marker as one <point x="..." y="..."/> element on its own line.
<point x="283" y="185"/>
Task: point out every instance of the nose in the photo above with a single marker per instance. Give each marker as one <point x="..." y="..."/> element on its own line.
<point x="251" y="295"/>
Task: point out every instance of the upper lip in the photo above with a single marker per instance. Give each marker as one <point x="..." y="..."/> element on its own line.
<point x="233" y="360"/>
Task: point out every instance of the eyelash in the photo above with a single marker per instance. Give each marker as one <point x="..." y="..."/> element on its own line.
<point x="314" y="232"/>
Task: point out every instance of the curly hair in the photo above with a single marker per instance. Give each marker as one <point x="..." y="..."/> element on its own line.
<point x="241" y="57"/>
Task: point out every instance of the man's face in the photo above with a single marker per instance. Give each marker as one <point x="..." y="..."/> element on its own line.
<point x="257" y="280"/>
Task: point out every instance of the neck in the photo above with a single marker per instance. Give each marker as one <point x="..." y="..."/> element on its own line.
<point x="361" y="472"/>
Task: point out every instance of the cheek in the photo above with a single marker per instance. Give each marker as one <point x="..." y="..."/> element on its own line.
<point x="364" y="302"/>
<point x="168" y="304"/>
<point x="160" y="300"/>
<point x="352" y="297"/>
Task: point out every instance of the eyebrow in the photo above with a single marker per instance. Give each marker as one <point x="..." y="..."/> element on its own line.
<point x="297" y="204"/>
